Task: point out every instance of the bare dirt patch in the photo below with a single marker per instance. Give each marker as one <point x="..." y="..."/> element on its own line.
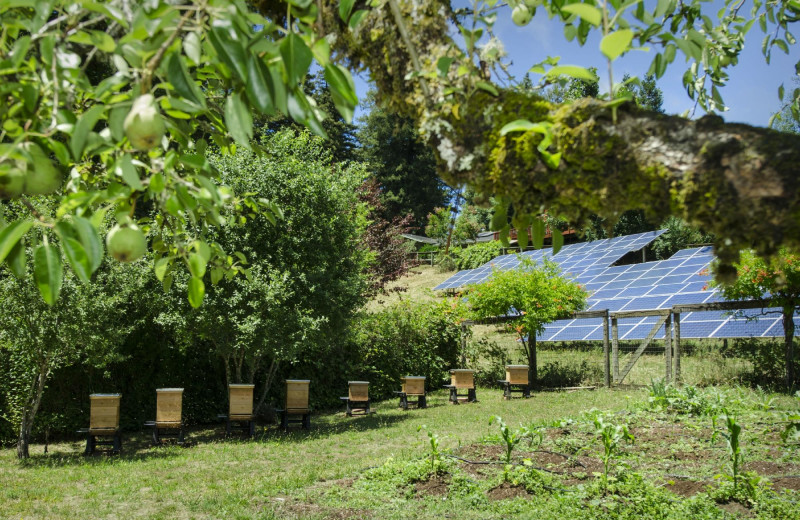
<point x="786" y="483"/>
<point x="686" y="488"/>
<point x="735" y="508"/>
<point x="436" y="486"/>
<point x="767" y="468"/>
<point x="506" y="491"/>
<point x="288" y="507"/>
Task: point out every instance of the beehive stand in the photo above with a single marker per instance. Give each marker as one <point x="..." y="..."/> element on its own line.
<point x="169" y="415"/>
<point x="357" y="402"/>
<point x="103" y="422"/>
<point x="462" y="379"/>
<point x="413" y="386"/>
<point x="516" y="381"/>
<point x="296" y="404"/>
<point x="240" y="410"/>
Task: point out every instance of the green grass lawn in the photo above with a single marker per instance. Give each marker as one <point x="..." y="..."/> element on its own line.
<point x="375" y="467"/>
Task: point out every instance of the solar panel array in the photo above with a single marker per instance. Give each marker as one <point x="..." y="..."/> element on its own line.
<point x="574" y="259"/>
<point x="682" y="279"/>
<point x="679" y="280"/>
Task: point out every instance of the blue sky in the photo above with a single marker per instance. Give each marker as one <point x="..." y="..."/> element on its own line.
<point x="751" y="92"/>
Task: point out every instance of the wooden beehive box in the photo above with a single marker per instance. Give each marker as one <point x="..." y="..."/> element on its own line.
<point x="241" y="401"/>
<point x="359" y="390"/>
<point x="414" y="385"/>
<point x="517" y="374"/>
<point x="462" y="378"/>
<point x="104" y="412"/>
<point x="169" y="402"/>
<point x="297" y="395"/>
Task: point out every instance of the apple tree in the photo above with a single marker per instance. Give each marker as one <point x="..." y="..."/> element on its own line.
<point x="536" y="291"/>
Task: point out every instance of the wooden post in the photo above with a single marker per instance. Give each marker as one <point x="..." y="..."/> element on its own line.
<point x="668" y="348"/>
<point x="615" y="348"/>
<point x="677" y="347"/>
<point x="463" y="344"/>
<point x="606" y="353"/>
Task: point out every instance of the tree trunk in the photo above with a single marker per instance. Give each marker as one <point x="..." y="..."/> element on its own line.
<point x="788" y="340"/>
<point x="273" y="369"/>
<point x="30" y="410"/>
<point x="737" y="181"/>
<point x="530" y="352"/>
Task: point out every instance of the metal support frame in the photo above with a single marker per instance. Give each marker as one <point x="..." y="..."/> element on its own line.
<point x="421" y="402"/>
<point x="664" y="317"/>
<point x="677" y="327"/>
<point x="470" y="396"/>
<point x="304" y="420"/>
<point x="247" y="426"/>
<point x="160" y="432"/>
<point x="510" y="388"/>
<point x="352" y="405"/>
<point x="92" y="442"/>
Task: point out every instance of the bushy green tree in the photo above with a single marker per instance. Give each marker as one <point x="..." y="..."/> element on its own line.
<point x="86" y="325"/>
<point x="537" y="291"/>
<point x="307" y="276"/>
<point x="779" y="278"/>
<point x="402" y="164"/>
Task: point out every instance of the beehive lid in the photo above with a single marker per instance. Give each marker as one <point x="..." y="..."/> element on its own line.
<point x="98" y="396"/>
<point x="517" y="366"/>
<point x="298" y="380"/>
<point x="414" y="377"/>
<point x="169" y="389"/>
<point x="358" y="382"/>
<point x="239" y="386"/>
<point x="462" y="370"/>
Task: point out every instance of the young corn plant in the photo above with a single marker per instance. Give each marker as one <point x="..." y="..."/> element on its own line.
<point x="510" y="438"/>
<point x="792" y="430"/>
<point x="611" y="436"/>
<point x="746" y="482"/>
<point x="435" y="453"/>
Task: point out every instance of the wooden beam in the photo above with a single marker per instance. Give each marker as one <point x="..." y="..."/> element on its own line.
<point x="615" y="347"/>
<point x="606" y="353"/>
<point x="640" y="314"/>
<point x="639" y="351"/>
<point x="723" y="306"/>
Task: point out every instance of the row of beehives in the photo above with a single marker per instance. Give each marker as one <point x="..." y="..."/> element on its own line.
<point x="105" y="408"/>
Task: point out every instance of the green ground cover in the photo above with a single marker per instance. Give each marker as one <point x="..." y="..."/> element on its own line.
<point x="380" y="466"/>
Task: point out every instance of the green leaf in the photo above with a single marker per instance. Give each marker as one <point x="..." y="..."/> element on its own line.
<point x="558" y="240"/>
<point x="297" y="57"/>
<point x="343" y="90"/>
<point x="161" y="266"/>
<point x="81" y="131"/>
<point x="17" y="260"/>
<point x="10" y="236"/>
<point x="127" y="171"/>
<point x="192" y="47"/>
<point x="216" y="275"/>
<point x="239" y="120"/>
<point x="182" y="82"/>
<point x="197" y="291"/>
<point x="614" y="44"/>
<point x="230" y="51"/>
<point x="356" y="18"/>
<point x="537" y="232"/>
<point x="573" y="71"/>
<point x="259" y="88"/>
<point x="47" y="272"/>
<point x="90" y="240"/>
<point x="157" y="184"/>
<point x="520" y="125"/>
<point x="780" y="92"/>
<point x="77" y="258"/>
<point x="166" y="283"/>
<point x="588" y="12"/>
<point x="488" y="87"/>
<point x="345" y="8"/>
<point x="197" y="265"/>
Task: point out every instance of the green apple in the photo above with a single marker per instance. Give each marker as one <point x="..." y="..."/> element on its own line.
<point x="144" y="125"/>
<point x="12" y="181"/>
<point x="41" y="176"/>
<point x="521" y="15"/>
<point x="126" y="242"/>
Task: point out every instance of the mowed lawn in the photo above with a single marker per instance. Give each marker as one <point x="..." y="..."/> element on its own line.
<point x="216" y="478"/>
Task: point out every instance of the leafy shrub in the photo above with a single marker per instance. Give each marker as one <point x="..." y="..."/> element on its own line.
<point x="418" y="339"/>
<point x="445" y="261"/>
<point x="476" y="255"/>
<point x="493" y="358"/>
<point x="768" y="359"/>
<point x="556" y="375"/>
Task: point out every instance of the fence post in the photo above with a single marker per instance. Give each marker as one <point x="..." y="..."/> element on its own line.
<point x="668" y="348"/>
<point x="677" y="347"/>
<point x="606" y="353"/>
<point x="615" y="347"/>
